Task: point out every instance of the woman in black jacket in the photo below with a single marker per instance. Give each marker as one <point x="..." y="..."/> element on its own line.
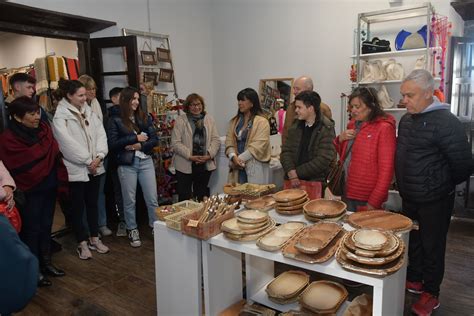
<point x="131" y="138"/>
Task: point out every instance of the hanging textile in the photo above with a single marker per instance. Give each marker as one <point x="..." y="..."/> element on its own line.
<point x="41" y="76"/>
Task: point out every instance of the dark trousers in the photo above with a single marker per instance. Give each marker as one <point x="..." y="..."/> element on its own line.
<point x="192" y="185"/>
<point x="84" y="197"/>
<point x="37" y="219"/>
<point x="427" y="245"/>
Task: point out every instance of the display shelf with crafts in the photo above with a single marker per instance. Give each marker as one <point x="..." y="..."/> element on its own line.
<point x="385" y="52"/>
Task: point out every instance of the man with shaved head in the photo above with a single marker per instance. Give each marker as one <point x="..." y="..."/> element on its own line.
<point x="303" y="83"/>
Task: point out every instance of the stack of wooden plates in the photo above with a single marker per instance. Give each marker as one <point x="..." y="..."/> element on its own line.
<point x="278" y="237"/>
<point x="322" y="209"/>
<point x="287" y="286"/>
<point x="316" y="243"/>
<point x="323" y="297"/>
<point x="248" y="225"/>
<point x="371" y="252"/>
<point x="291" y="201"/>
<point x="264" y="203"/>
<point x="382" y="220"/>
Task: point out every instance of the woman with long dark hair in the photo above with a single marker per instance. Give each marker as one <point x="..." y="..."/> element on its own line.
<point x="248" y="141"/>
<point x="83" y="142"/>
<point x="132" y="137"/>
<point x="31" y="154"/>
<point x="195" y="143"/>
<point x="367" y="148"/>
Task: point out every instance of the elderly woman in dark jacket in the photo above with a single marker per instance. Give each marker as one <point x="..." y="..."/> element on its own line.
<point x="31" y="154"/>
<point x="131" y="138"/>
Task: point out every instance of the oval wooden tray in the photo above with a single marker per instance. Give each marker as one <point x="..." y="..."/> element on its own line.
<point x="251" y="237"/>
<point x="380" y="219"/>
<point x="292" y="207"/>
<point x="392" y="246"/>
<point x="287" y="285"/>
<point x="370" y="239"/>
<point x="379" y="271"/>
<point x="323" y="296"/>
<point x="289" y="195"/>
<point x="252" y="216"/>
<point x="232" y="226"/>
<point x="302" y="200"/>
<point x="378" y="261"/>
<point x="274" y="241"/>
<point x="325" y="208"/>
<point x="329" y="219"/>
<point x="264" y="203"/>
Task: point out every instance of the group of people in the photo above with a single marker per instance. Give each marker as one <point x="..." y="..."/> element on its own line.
<point x="66" y="156"/>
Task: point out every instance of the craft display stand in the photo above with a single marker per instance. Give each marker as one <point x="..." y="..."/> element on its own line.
<point x="178" y="260"/>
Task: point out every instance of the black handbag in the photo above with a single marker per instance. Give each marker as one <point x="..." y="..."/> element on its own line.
<point x="376" y="45"/>
<point x="336" y="178"/>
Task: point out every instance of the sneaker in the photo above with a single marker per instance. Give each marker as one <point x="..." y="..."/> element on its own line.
<point x="414" y="287"/>
<point x="96" y="244"/>
<point x="105" y="231"/>
<point x="134" y="237"/>
<point x="121" y="230"/>
<point x="425" y="305"/>
<point x="83" y="251"/>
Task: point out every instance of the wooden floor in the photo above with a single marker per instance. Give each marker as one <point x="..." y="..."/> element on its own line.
<point x="123" y="282"/>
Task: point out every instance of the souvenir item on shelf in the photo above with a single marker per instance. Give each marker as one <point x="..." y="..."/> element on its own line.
<point x="289" y="195"/>
<point x="380" y="219"/>
<point x="206" y="223"/>
<point x="391" y="246"/>
<point x="322" y="208"/>
<point x="278" y="237"/>
<point x="302" y="200"/>
<point x="165" y="210"/>
<point x="173" y="221"/>
<point x="253" y="191"/>
<point x="380" y="270"/>
<point x="369" y="239"/>
<point x="287" y="286"/>
<point x="158" y="102"/>
<point x="359" y="306"/>
<point x="232" y="226"/>
<point x="385" y="100"/>
<point x="316" y="237"/>
<point x="252" y="216"/>
<point x="256" y="310"/>
<point x="420" y="62"/>
<point x="407" y="40"/>
<point x="312" y="188"/>
<point x="393" y="70"/>
<point x="323" y="297"/>
<point x="374" y="261"/>
<point x="373" y="71"/>
<point x="376" y="45"/>
<point x="148" y="58"/>
<point x="325" y="254"/>
<point x="244" y="236"/>
<point x="249" y="226"/>
<point x="166" y="75"/>
<point x="164" y="55"/>
<point x="263" y="203"/>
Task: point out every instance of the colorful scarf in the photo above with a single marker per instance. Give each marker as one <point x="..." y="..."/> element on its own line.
<point x="31" y="154"/>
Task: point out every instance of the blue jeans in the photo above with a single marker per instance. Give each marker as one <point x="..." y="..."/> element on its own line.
<point x="102" y="212"/>
<point x="142" y="170"/>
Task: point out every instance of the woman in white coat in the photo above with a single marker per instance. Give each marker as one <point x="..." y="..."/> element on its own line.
<point x="83" y="142"/>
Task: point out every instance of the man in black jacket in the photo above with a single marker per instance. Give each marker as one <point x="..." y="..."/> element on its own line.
<point x="433" y="156"/>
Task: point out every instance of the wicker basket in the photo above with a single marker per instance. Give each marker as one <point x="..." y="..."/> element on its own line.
<point x="173" y="221"/>
<point x="205" y="230"/>
<point x="162" y="211"/>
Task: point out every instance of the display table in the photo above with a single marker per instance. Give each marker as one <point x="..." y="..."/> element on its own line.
<point x="178" y="257"/>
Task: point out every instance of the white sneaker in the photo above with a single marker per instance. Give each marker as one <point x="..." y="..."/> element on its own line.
<point x="121" y="230"/>
<point x="134" y="238"/>
<point x="83" y="251"/>
<point x="96" y="244"/>
<point x="105" y="231"/>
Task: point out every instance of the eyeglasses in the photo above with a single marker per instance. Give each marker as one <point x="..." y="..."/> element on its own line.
<point x="197" y="104"/>
<point x="84" y="118"/>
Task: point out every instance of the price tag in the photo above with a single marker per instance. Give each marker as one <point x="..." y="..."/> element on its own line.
<point x="193" y="223"/>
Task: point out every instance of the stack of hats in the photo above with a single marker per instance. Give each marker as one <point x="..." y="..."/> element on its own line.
<point x="248" y="225"/>
<point x="322" y="209"/>
<point x="290" y="201"/>
<point x="371" y="251"/>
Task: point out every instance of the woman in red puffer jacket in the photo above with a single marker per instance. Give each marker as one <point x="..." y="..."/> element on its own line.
<point x="367" y="148"/>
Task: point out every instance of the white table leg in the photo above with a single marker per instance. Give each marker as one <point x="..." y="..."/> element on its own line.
<point x="259" y="272"/>
<point x="178" y="272"/>
<point x="222" y="274"/>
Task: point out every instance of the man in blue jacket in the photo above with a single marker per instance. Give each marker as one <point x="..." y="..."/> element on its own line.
<point x="18" y="270"/>
<point x="433" y="156"/>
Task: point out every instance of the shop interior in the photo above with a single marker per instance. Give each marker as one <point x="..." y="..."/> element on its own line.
<point x="171" y="49"/>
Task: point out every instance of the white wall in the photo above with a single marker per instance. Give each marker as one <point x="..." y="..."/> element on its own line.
<point x="222" y="46"/>
<point x="17" y="50"/>
<point x="256" y="39"/>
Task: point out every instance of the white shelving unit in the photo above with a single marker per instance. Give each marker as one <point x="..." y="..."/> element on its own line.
<point x="178" y="276"/>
